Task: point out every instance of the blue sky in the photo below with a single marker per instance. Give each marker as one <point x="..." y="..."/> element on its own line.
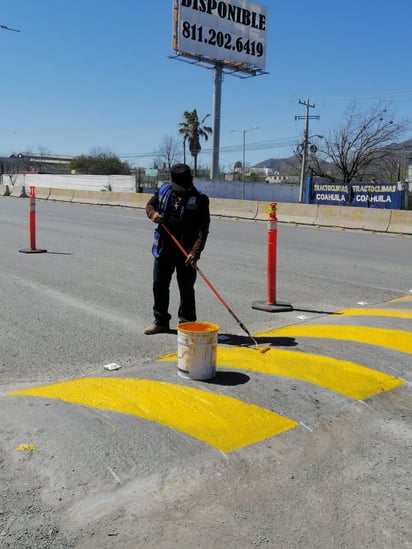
<point x="87" y="75"/>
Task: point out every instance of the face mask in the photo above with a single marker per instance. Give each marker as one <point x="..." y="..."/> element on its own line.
<point x="182" y="194"/>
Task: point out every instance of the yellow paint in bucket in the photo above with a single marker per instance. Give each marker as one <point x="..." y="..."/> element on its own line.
<point x="196" y="350"/>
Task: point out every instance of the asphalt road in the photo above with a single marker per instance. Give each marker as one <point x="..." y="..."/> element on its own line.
<point x="307" y="445"/>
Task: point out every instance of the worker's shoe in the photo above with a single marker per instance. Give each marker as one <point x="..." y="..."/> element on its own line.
<point x="156" y="329"/>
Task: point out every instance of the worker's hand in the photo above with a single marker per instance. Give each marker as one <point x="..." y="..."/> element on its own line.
<point x="157" y="218"/>
<point x="191" y="260"/>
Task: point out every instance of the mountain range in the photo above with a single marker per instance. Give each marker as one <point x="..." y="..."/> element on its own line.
<point x="403" y="150"/>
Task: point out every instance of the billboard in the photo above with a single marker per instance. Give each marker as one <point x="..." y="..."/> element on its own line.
<point x="231" y="32"/>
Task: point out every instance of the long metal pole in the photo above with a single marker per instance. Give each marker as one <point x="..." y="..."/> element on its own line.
<point x="217" y="100"/>
<point x="305" y="154"/>
<point x="305" y="144"/>
<point x="220" y="298"/>
<point x="243" y="164"/>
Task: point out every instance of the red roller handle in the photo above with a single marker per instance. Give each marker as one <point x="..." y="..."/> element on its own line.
<point x="220" y="298"/>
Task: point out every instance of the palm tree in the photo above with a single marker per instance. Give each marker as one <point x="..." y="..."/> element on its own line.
<point x="192" y="129"/>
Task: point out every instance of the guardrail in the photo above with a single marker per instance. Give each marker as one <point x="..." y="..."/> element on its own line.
<point x="344" y="217"/>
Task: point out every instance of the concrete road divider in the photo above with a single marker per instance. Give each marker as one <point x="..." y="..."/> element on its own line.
<point x="129" y="200"/>
<point x="347" y="217"/>
<point x="241" y="209"/>
<point x="62" y="195"/>
<point x="91" y="197"/>
<point x="43" y="193"/>
<point x="401" y="222"/>
<point x="18" y="191"/>
<point x="262" y="211"/>
<point x="4" y="190"/>
<point x="301" y="214"/>
<point x="106" y="198"/>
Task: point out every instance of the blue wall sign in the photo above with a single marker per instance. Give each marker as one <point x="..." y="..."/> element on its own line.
<point x="363" y="195"/>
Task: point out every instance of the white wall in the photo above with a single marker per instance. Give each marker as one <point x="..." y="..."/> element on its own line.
<point x="268" y="192"/>
<point x="121" y="183"/>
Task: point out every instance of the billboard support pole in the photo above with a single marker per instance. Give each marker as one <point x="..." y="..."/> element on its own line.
<point x="217" y="100"/>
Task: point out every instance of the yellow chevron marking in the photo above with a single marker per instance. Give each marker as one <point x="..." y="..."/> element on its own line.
<point x="399" y="299"/>
<point x="347" y="378"/>
<point x="394" y="313"/>
<point x="222" y="422"/>
<point x="392" y="339"/>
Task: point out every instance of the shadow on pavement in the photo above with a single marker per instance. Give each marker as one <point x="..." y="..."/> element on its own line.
<point x="245" y="341"/>
<point x="228" y="378"/>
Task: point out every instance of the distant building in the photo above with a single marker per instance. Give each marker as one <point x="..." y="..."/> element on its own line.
<point x="35" y="163"/>
<point x="282" y="179"/>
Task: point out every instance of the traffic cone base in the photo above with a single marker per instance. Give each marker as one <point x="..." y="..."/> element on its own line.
<point x="278" y="307"/>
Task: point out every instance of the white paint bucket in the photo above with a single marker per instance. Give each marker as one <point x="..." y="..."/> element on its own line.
<point x="196" y="350"/>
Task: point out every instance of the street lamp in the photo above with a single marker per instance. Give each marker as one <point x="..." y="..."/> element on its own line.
<point x="244" y="155"/>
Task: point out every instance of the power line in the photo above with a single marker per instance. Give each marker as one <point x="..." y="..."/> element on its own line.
<point x="255" y="146"/>
<point x="8" y="28"/>
<point x="365" y="97"/>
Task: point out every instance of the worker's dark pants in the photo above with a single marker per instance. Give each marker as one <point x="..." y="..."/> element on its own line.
<point x="163" y="270"/>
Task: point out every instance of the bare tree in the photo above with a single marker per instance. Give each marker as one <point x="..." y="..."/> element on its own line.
<point x="168" y="153"/>
<point x="358" y="149"/>
<point x="12" y="172"/>
<point x="237" y="170"/>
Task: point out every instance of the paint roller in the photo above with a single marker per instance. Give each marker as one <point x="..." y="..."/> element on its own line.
<point x="213" y="289"/>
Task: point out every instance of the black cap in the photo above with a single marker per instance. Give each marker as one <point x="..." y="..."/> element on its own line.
<point x="182" y="179"/>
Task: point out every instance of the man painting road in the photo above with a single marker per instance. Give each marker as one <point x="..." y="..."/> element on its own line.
<point x="185" y="212"/>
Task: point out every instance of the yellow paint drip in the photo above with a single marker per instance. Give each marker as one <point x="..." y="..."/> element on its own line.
<point x="391" y="313"/>
<point x="26" y="447"/>
<point x="222" y="422"/>
<point x="343" y="377"/>
<point x="392" y="339"/>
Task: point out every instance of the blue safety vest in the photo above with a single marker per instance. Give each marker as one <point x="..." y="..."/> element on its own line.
<point x="187" y="216"/>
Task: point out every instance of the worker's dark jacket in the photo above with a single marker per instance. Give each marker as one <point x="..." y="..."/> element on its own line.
<point x="187" y="220"/>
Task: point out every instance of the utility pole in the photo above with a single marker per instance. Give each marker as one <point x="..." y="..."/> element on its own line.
<point x="305" y="142"/>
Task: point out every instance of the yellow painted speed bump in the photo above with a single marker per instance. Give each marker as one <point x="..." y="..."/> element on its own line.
<point x="391" y="313"/>
<point x="346" y="378"/>
<point x="399" y="299"/>
<point x="222" y="422"/>
<point x="392" y="339"/>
